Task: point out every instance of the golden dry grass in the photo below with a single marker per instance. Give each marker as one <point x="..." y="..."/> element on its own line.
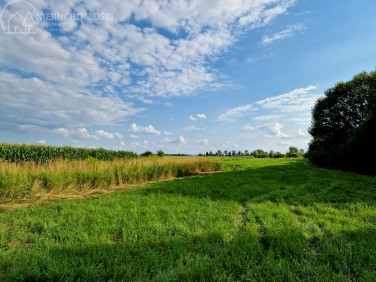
<point x="25" y="183"/>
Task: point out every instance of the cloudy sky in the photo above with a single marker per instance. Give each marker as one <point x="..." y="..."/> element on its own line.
<point x="181" y="76"/>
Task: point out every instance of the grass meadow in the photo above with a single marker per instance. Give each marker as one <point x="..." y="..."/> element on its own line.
<point x="259" y="220"/>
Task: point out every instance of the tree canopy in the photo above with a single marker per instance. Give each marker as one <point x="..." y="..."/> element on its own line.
<point x="343" y="125"/>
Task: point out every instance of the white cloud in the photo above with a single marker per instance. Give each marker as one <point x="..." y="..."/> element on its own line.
<point x="192" y="118"/>
<point x="182" y="140"/>
<point x="301" y="99"/>
<point x="301" y="133"/>
<point x="300" y="120"/>
<point x="118" y="135"/>
<point x="122" y="143"/>
<point x="235" y="112"/>
<point x="62" y="131"/>
<point x="274" y="130"/>
<point x="198" y="116"/>
<point x="167" y="133"/>
<point x="286" y="33"/>
<point x="102" y="64"/>
<point x="134" y="136"/>
<point x="83" y="133"/>
<point x="41" y="142"/>
<point x="203" y="142"/>
<point x="269" y="117"/>
<point x="58" y="105"/>
<point x="248" y="127"/>
<point x="104" y="134"/>
<point x="193" y="127"/>
<point x="149" y="129"/>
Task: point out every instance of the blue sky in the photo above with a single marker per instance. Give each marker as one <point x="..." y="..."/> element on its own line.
<point x="181" y="76"/>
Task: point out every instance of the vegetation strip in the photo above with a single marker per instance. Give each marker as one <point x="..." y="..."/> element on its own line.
<point x="30" y="180"/>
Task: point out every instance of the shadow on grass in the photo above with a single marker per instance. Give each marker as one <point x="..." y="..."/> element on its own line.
<point x="341" y="257"/>
<point x="296" y="183"/>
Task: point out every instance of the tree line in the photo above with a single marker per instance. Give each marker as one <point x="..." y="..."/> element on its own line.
<point x="293" y="152"/>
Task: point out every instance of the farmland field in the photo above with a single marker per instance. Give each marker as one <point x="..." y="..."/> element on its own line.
<point x="260" y="219"/>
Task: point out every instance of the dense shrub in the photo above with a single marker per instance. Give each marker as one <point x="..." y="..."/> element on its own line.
<point x="147" y="154"/>
<point x="343" y="125"/>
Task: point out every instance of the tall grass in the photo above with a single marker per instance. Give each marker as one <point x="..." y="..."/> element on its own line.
<point x="29" y="179"/>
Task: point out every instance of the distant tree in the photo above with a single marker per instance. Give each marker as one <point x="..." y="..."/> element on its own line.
<point x="246" y="152"/>
<point x="219" y="153"/>
<point x="301" y="151"/>
<point x="278" y="155"/>
<point x="259" y="153"/>
<point x="240" y="153"/>
<point x="160" y="153"/>
<point x="271" y="154"/>
<point x="210" y="153"/>
<point x="293" y="152"/>
<point x="233" y="152"/>
<point x="225" y="152"/>
<point x="147" y="154"/>
<point x="206" y="154"/>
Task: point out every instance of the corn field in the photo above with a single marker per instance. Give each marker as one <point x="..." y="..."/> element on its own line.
<point x="42" y="154"/>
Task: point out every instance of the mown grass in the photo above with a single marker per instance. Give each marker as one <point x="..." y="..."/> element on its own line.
<point x="268" y="222"/>
<point x="29" y="181"/>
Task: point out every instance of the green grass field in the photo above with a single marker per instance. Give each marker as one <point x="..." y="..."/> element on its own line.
<point x="269" y="219"/>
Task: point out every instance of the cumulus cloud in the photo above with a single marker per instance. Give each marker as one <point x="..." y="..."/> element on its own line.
<point x="83" y="133"/>
<point x="301" y="99"/>
<point x="198" y="116"/>
<point x="182" y="140"/>
<point x="41" y="142"/>
<point x="192" y="118"/>
<point x="274" y="130"/>
<point x="62" y="131"/>
<point x="286" y="33"/>
<point x="104" y="134"/>
<point x="148" y="129"/>
<point x="134" y="136"/>
<point x="235" y="112"/>
<point x="104" y="64"/>
<point x="167" y="133"/>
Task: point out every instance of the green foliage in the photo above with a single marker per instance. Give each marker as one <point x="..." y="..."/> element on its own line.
<point x="343" y="125"/>
<point x="277" y="220"/>
<point x="147" y="154"/>
<point x="41" y="154"/>
<point x="160" y="153"/>
<point x="259" y="153"/>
